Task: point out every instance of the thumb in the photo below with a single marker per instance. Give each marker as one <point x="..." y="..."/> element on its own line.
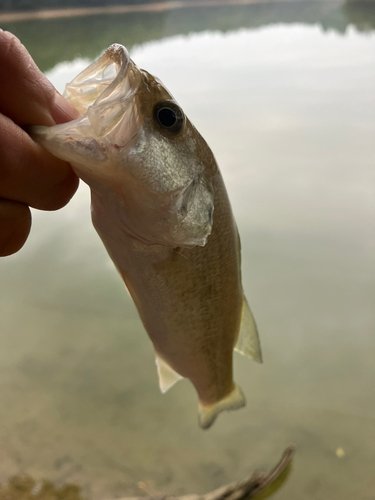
<point x="61" y="111"/>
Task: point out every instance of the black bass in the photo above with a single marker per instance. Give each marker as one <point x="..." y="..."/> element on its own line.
<point x="162" y="211"/>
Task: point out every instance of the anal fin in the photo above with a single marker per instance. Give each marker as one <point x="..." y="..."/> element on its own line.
<point x="248" y="342"/>
<point x="167" y="376"/>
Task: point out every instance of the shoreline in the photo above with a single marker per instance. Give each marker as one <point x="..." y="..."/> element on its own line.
<point x="8" y="17"/>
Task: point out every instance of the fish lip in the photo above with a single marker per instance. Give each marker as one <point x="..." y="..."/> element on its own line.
<point x="110" y="93"/>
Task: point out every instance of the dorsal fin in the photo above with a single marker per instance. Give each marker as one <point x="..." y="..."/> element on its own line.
<point x="167" y="376"/>
<point x="248" y="338"/>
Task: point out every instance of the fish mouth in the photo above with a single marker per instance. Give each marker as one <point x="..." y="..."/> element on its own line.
<point x="104" y="91"/>
<point x="97" y="83"/>
<point x="104" y="95"/>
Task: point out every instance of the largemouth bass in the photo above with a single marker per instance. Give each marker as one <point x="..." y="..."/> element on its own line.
<point x="162" y="211"/>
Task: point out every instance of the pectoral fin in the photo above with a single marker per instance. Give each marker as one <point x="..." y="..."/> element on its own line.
<point x="167" y="376"/>
<point x="248" y="338"/>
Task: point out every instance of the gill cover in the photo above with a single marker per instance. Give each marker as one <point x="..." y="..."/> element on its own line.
<point x="153" y="180"/>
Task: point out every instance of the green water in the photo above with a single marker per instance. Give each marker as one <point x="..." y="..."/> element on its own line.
<point x="284" y="95"/>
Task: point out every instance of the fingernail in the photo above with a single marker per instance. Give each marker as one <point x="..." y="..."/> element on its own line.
<point x="62" y="111"/>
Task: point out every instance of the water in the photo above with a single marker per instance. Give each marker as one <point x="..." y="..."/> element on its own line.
<point x="285" y="99"/>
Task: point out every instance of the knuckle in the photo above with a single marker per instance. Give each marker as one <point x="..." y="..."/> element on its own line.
<point x="10" y="46"/>
<point x="49" y="93"/>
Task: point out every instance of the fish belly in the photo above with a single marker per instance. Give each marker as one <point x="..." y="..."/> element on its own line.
<point x="190" y="300"/>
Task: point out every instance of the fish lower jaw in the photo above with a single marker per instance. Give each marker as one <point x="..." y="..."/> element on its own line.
<point x="208" y="413"/>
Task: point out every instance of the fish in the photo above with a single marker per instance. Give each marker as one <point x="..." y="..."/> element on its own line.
<point x="160" y="206"/>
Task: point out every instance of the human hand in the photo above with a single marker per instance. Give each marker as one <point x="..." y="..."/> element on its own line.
<point x="29" y="175"/>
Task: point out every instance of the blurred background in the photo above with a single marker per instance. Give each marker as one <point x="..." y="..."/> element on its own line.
<point x="283" y="92"/>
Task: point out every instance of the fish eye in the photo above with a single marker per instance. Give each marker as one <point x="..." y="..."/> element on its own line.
<point x="169" y="116"/>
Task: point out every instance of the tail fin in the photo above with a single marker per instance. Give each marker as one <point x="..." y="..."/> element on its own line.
<point x="208" y="414"/>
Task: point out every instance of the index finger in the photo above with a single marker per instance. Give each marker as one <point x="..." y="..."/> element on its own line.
<point x="26" y="96"/>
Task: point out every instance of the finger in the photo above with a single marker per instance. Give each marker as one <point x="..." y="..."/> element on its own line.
<point x="15" y="224"/>
<point x="30" y="174"/>
<point x="26" y="95"/>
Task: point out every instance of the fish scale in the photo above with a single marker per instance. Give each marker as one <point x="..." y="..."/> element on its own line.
<point x="160" y="206"/>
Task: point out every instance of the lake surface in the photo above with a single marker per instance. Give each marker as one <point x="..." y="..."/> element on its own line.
<point x="284" y="95"/>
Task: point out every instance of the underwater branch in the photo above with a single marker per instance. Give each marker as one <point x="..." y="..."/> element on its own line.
<point x="243" y="490"/>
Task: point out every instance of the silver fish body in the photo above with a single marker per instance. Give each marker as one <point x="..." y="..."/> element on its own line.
<point x="160" y="206"/>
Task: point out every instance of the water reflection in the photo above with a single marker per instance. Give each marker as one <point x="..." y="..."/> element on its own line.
<point x="361" y="14"/>
<point x="88" y="36"/>
<point x="289" y="113"/>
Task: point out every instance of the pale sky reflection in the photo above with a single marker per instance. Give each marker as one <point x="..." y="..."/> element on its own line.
<point x="289" y="114"/>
